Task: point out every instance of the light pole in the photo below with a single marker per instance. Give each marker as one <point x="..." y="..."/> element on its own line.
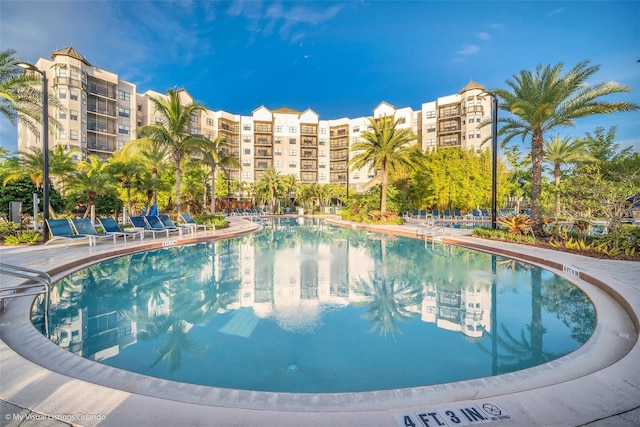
<point x="45" y="145"/>
<point x="494" y="160"/>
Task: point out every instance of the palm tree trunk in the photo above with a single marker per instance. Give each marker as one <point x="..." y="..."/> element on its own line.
<point x="178" y="184"/>
<point x="537" y="156"/>
<point x="383" y="196"/>
<point x="557" y="173"/>
<point x="213" y="190"/>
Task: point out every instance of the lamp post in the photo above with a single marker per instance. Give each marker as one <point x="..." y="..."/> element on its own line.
<point x="45" y="145"/>
<point x="494" y="160"/>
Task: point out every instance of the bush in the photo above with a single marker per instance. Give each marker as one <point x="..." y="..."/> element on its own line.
<point x="218" y="220"/>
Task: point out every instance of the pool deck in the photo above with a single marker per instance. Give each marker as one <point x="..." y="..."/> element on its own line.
<point x="598" y="385"/>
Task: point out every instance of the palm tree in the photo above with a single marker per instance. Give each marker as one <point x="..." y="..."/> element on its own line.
<point x="28" y="163"/>
<point x="173" y="132"/>
<point x="385" y="148"/>
<point x="92" y="178"/>
<point x="125" y="170"/>
<point x="289" y="183"/>
<point x="562" y="151"/>
<point x="61" y="164"/>
<point x="21" y="94"/>
<point x="270" y="183"/>
<point x="545" y="100"/>
<point x="215" y="153"/>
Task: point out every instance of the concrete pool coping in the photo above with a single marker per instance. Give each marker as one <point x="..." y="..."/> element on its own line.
<point x="38" y="377"/>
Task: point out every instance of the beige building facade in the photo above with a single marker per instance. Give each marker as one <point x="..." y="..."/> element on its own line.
<point x="102" y="112"/>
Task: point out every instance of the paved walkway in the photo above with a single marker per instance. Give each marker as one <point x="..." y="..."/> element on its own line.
<point x="597" y="385"/>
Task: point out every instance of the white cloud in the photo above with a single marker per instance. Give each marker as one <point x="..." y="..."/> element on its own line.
<point x="469" y="49"/>
<point x="483" y="36"/>
<point x="556" y="11"/>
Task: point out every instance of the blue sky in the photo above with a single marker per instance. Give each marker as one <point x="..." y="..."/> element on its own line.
<point x="340" y="59"/>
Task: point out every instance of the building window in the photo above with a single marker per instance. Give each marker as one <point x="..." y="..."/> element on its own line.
<point x="194" y="131"/>
<point x="322" y="165"/>
<point x="74" y="95"/>
<point x="321" y="153"/>
<point x="62" y="93"/>
<point x="323" y="176"/>
<point x="124" y="96"/>
<point x="279" y="128"/>
<point x="246" y="127"/>
<point x="323" y="131"/>
<point x="402" y="120"/>
<point x="246" y="138"/>
<point x="73" y="74"/>
<point x="140" y="108"/>
<point x="73" y="114"/>
<point x="470" y="119"/>
<point x="277" y="140"/>
<point x="293" y="152"/>
<point x="247" y="151"/>
<point x="471" y="135"/>
<point x="356" y="128"/>
<point x="62" y="134"/>
<point x="293" y="129"/>
<point x="123" y="129"/>
<point x="431" y="128"/>
<point x="292" y="140"/>
<point x="209" y="121"/>
<point x="246" y="163"/>
<point x="278" y="152"/>
<point x="478" y="134"/>
<point x="246" y="175"/>
<point x="293" y="164"/>
<point x="431" y="115"/>
<point x="62" y="114"/>
<point x="194" y="118"/>
<point x="431" y="142"/>
<point x="123" y="112"/>
<point x="73" y="135"/>
<point x="322" y="142"/>
<point x="62" y="72"/>
<point x="278" y="163"/>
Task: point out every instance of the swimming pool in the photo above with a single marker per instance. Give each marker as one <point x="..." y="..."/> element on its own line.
<point x="307" y="307"/>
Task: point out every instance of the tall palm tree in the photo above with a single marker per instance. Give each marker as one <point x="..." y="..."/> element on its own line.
<point x="546" y="99"/>
<point x="173" y="131"/>
<point x="385" y="148"/>
<point x="215" y="153"/>
<point x="61" y="165"/>
<point x="270" y="183"/>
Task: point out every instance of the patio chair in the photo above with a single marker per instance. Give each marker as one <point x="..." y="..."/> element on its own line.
<point x="110" y="226"/>
<point x="436" y="214"/>
<point x="188" y="219"/>
<point x="141" y="224"/>
<point x="84" y="226"/>
<point x="60" y="229"/>
<point x="156" y="224"/>
<point x="446" y="214"/>
<point x="457" y="214"/>
<point x="167" y="222"/>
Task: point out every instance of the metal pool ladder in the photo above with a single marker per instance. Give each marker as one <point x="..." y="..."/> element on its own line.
<point x="38" y="282"/>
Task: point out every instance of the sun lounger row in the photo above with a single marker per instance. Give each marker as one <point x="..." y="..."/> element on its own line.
<point x="246" y="212"/>
<point x="83" y="228"/>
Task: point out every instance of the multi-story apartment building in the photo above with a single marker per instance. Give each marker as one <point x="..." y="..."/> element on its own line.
<point x="101" y="113"/>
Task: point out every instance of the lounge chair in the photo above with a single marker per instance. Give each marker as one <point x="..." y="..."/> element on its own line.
<point x="61" y="229"/>
<point x="140" y="223"/>
<point x="457" y="214"/>
<point x="84" y="226"/>
<point x="156" y="224"/>
<point x="423" y="214"/>
<point x="447" y="214"/>
<point x="436" y="214"/>
<point x="188" y="219"/>
<point x="167" y="222"/>
<point x="110" y="226"/>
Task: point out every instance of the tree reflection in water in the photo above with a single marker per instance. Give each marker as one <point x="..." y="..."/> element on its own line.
<point x="200" y="310"/>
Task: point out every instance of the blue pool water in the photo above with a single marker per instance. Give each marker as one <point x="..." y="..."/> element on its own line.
<point x="307" y="307"/>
